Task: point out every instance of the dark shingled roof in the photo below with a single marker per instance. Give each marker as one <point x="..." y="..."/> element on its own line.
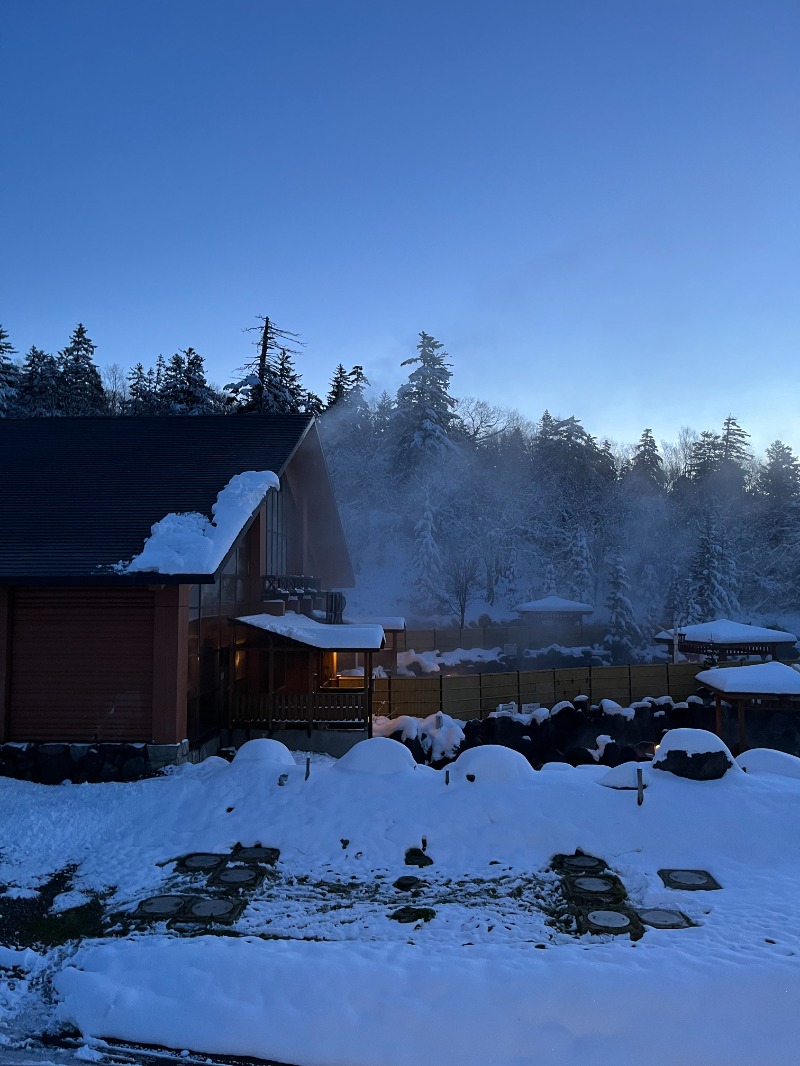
<point x="77" y="495"/>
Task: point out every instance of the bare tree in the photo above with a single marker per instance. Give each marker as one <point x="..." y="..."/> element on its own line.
<point x="461" y="583"/>
<point x="115" y="386"/>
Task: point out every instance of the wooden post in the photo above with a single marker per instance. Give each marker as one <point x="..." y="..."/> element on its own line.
<point x="742" y="730"/>
<point x="718" y="703"/>
<point x="368" y="686"/>
<point x="6" y="608"/>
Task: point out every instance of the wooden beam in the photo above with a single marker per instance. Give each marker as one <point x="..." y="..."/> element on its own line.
<point x="170" y="663"/>
<point x="6" y="603"/>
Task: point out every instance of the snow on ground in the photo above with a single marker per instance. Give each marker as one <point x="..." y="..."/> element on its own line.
<point x="315" y="972"/>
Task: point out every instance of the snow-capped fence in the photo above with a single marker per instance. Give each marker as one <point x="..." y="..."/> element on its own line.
<point x="475" y="695"/>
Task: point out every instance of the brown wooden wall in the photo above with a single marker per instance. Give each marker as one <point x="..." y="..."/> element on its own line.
<point x="81" y="664"/>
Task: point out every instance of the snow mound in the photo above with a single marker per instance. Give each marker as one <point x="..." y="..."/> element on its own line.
<point x="769" y="761"/>
<point x="264" y="750"/>
<point x="379" y="755"/>
<point x="491" y="762"/>
<point x="622" y="776"/>
<point x="612" y="707"/>
<point x="692" y="741"/>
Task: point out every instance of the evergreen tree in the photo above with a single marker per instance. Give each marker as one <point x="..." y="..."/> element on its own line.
<point x="733" y="443"/>
<point x="708" y="598"/>
<point x="646" y="464"/>
<point x="580" y="580"/>
<point x="143" y="398"/>
<point x="651" y="602"/>
<point x="82" y="390"/>
<point x="9" y="377"/>
<point x="199" y="397"/>
<point x="172" y="391"/>
<point x="624" y="635"/>
<point x="549" y="583"/>
<point x="706" y="456"/>
<point x="338" y="387"/>
<point x="426" y="563"/>
<point x="424" y="404"/>
<point x="267" y="388"/>
<point x="39" y="391"/>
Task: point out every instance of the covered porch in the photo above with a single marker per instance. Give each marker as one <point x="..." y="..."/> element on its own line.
<point x="758" y="688"/>
<point x="286" y="673"/>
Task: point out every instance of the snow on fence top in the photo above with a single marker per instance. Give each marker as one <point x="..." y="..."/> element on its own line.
<point x="194" y="544"/>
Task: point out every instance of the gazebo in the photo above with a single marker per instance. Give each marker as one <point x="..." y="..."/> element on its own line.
<point x="555" y="613"/>
<point x="285" y="672"/>
<point x="742" y="685"/>
<point x="726" y="640"/>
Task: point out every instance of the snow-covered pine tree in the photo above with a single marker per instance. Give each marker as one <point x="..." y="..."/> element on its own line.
<point x="424" y="405"/>
<point x="199" y="397"/>
<point x="82" y="390"/>
<point x="708" y="598"/>
<point x="263" y="390"/>
<point x="706" y="456"/>
<point x="426" y="563"/>
<point x="549" y="581"/>
<point x="172" y="393"/>
<point x="647" y="464"/>
<point x="624" y="636"/>
<point x="142" y="398"/>
<point x="9" y="377"/>
<point x="650" y="592"/>
<point x="580" y="575"/>
<point x="39" y="390"/>
<point x="289" y="384"/>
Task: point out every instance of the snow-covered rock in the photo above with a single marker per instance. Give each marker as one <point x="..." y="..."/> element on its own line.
<point x="694" y="753"/>
<point x="378" y="755"/>
<point x="491" y="762"/>
<point x="769" y="761"/>
<point x="264" y="750"/>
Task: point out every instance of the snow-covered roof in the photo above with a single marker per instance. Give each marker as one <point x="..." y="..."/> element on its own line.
<point x="318" y="634"/>
<point x="554" y="603"/>
<point x="767" y="679"/>
<point x="723" y="631"/>
<point x="193" y="544"/>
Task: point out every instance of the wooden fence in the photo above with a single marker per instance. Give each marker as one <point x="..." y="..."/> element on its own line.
<point x="523" y="636"/>
<point x="475" y="695"/>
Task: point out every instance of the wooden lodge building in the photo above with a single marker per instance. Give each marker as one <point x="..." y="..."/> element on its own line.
<point x="95" y="651"/>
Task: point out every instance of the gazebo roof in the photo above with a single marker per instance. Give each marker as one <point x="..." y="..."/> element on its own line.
<point x="761" y="679"/>
<point x="729" y="634"/>
<point x="553" y="605"/>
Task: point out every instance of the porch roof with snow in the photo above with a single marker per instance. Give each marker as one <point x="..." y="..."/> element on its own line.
<point x="81" y="495"/>
<point x="320" y="635"/>
<point x="725" y="634"/>
<point x="554" y="607"/>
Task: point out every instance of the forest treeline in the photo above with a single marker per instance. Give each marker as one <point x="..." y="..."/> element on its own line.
<point x="471" y="506"/>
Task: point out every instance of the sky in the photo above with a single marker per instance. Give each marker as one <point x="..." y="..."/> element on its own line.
<point x="594" y="206"/>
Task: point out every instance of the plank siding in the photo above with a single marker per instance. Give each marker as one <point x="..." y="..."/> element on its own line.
<point x="82" y="665"/>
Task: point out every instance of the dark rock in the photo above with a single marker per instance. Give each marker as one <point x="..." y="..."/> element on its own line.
<point x="417" y="857"/>
<point x="406" y="915"/>
<point x="407" y="882"/>
<point x="414" y="745"/>
<point x="699" y="766"/>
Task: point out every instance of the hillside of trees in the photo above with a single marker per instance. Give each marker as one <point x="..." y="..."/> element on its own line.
<point x="472" y="508"/>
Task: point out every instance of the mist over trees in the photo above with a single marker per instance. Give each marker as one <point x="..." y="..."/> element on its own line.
<point x="455" y="507"/>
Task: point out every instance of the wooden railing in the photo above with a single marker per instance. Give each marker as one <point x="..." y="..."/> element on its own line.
<point x="314" y="709"/>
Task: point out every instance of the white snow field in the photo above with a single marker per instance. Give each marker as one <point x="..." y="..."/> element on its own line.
<point x="315" y="972"/>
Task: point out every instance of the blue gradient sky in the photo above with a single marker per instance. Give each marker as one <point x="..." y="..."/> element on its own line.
<point x="593" y="204"/>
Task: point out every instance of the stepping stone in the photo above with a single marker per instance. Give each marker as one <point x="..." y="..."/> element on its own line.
<point x="689" y="880"/>
<point x="610" y="921"/>
<point x="257" y="853"/>
<point x="605" y="888"/>
<point x="577" y="864"/>
<point x="215" y="910"/>
<point x="238" y="877"/>
<point x="201" y="862"/>
<point x="662" y="918"/>
<point x="162" y="906"/>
